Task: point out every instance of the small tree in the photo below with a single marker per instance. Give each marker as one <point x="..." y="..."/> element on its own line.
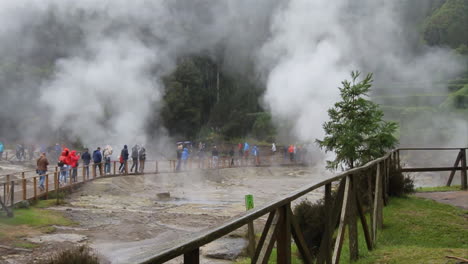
<point x="356" y="131"/>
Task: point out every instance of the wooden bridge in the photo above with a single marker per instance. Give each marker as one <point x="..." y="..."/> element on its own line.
<point x="281" y="228"/>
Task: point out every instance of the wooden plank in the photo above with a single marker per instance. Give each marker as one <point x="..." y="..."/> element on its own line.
<point x="283" y="241"/>
<point x="342" y="226"/>
<point x="12" y="198"/>
<point x="463" y="172"/>
<point x="365" y="227"/>
<point x="192" y="257"/>
<point x="300" y="241"/>
<point x="263" y="237"/>
<point x="431" y="169"/>
<point x="429" y="148"/>
<point x="323" y="254"/>
<point x="265" y="252"/>
<point x="376" y="204"/>
<point x="452" y="174"/>
<point x="352" y="221"/>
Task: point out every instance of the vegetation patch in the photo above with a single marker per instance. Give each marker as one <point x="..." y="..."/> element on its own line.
<point x="76" y="255"/>
<point x="439" y="189"/>
<point x="417" y="231"/>
<point x="31" y="221"/>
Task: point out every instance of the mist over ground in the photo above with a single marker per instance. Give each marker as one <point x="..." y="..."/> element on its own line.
<point x="94" y="70"/>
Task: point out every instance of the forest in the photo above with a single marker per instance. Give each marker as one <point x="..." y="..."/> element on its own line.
<point x="204" y="100"/>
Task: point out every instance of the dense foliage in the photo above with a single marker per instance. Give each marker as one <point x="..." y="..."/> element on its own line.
<point x="356" y="132"/>
<point x="201" y="98"/>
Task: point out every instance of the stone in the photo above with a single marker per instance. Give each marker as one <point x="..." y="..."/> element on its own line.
<point x="227" y="248"/>
<point x="73" y="238"/>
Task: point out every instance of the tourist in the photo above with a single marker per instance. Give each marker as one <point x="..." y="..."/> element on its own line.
<point x="231" y="154"/>
<point x="215" y="154"/>
<point x="256" y="154"/>
<point x="185" y="156"/>
<point x="74" y="158"/>
<point x="179" y="156"/>
<point x="63" y="164"/>
<point x="291" y="152"/>
<point x="86" y="157"/>
<point x="107" y="159"/>
<point x="123" y="159"/>
<point x="135" y="150"/>
<point x="2" y="148"/>
<point x="142" y="158"/>
<point x="246" y="151"/>
<point x="97" y="161"/>
<point x="41" y="169"/>
<point x="57" y="149"/>
<point x="273" y="148"/>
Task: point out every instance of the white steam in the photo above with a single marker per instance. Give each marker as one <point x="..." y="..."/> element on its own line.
<point x="109" y="56"/>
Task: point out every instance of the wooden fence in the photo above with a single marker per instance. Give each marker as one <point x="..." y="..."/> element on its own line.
<point x="346" y="210"/>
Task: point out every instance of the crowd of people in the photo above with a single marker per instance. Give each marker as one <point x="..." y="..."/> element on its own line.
<point x="99" y="160"/>
<point x="244" y="152"/>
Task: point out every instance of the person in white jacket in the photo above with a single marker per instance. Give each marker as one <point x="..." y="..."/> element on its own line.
<point x="107" y="153"/>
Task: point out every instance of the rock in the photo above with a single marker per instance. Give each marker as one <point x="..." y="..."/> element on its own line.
<point x="74" y="238"/>
<point x="69" y="209"/>
<point x="225" y="248"/>
<point x="164" y="195"/>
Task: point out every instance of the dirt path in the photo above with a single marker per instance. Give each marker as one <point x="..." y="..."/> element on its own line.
<point x="458" y="198"/>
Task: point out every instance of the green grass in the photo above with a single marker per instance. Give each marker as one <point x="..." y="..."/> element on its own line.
<point x="34" y="220"/>
<point x="25" y="245"/>
<point x="35" y="217"/>
<point x="439" y="189"/>
<point x="417" y="231"/>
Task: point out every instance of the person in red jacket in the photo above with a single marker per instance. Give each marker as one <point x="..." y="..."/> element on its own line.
<point x="64" y="160"/>
<point x="74" y="158"/>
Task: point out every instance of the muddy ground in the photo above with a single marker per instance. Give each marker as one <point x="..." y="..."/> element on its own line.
<point x="128" y="218"/>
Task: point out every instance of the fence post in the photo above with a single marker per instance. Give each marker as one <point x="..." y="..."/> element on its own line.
<point x="329" y="226"/>
<point x="283" y="242"/>
<point x="83" y="173"/>
<point x="115" y="167"/>
<point x="35" y="187"/>
<point x="47" y="186"/>
<point x="463" y="170"/>
<point x="192" y="257"/>
<point x="57" y="185"/>
<point x="12" y="197"/>
<point x="24" y="185"/>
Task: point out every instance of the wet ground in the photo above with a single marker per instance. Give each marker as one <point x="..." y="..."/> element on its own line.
<point x="458" y="198"/>
<point x="127" y="218"/>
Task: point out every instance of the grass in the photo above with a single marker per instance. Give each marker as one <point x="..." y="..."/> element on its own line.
<point x="415" y="230"/>
<point x="31" y="221"/>
<point x="439" y="189"/>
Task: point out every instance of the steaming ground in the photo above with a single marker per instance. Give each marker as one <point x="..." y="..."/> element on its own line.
<point x="123" y="216"/>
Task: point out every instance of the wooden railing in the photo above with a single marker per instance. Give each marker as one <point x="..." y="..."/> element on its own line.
<point x="281" y="226"/>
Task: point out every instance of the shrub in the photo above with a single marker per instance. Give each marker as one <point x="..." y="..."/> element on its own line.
<point x="400" y="185"/>
<point x="76" y="255"/>
<point x="311" y="219"/>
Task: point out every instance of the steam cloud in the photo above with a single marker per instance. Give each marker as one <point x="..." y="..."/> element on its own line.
<point x="106" y="58"/>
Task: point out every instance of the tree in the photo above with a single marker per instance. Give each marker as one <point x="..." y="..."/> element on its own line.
<point x="356" y="131"/>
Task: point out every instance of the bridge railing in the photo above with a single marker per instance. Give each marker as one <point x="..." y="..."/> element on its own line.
<point x="29" y="187"/>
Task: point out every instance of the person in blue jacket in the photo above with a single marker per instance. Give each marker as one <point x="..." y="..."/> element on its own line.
<point x="97" y="160"/>
<point x="123" y="159"/>
<point x="246" y="150"/>
<point x="1" y="150"/>
<point x="185" y="156"/>
<point x="86" y="157"/>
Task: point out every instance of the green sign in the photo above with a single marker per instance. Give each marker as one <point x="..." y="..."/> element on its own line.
<point x="249" y="202"/>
